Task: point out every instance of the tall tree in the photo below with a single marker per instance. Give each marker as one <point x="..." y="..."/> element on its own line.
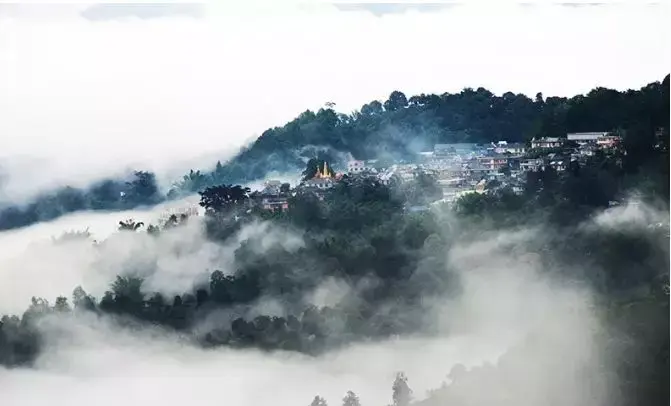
<point x="318" y="401"/>
<point x="351" y="399"/>
<point x="142" y="189"/>
<point x="396" y="101"/>
<point x="402" y="394"/>
<point x="223" y="198"/>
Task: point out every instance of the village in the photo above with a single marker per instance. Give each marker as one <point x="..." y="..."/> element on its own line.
<point x="459" y="169"/>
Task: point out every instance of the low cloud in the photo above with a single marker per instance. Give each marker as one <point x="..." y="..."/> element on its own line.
<point x="543" y="332"/>
<point x="89" y="98"/>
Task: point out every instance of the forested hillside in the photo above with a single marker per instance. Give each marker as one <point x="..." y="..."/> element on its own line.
<point x="402" y="126"/>
<point x="394" y="267"/>
<point x="396" y="128"/>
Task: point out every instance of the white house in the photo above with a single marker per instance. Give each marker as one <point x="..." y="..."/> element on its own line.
<point x="355" y="166"/>
<point x="586" y="138"/>
<point x="503" y="147"/>
<point x="546" y="142"/>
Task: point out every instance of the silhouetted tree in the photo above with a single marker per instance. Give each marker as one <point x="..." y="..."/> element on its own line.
<point x="351" y="399"/>
<point x="318" y="401"/>
<point x="402" y="394"/>
<point x="222" y="198"/>
<point x="130" y="225"/>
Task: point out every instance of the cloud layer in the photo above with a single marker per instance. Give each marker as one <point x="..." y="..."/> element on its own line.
<point x="86" y="97"/>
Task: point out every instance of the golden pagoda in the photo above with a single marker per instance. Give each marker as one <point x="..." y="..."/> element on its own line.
<point x="323" y="174"/>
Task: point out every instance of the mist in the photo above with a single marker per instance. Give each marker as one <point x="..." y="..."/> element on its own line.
<point x="509" y="303"/>
<point x="161" y="89"/>
<point x="95" y="91"/>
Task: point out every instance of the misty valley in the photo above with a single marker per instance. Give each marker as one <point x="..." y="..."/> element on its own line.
<point x="285" y="203"/>
<point x="560" y="269"/>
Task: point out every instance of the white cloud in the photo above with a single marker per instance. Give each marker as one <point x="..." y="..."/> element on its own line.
<point x="87" y="98"/>
<point x="506" y="300"/>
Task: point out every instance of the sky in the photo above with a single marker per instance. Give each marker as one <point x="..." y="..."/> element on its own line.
<point x="90" y="90"/>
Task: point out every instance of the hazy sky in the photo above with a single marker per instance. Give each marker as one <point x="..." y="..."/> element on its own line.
<point x="103" y="87"/>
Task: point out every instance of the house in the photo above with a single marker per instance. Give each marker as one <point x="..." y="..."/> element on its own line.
<point x="531" y="165"/>
<point x="585" y="138"/>
<point x="493" y="162"/>
<point x="546" y="142"/>
<point x="443" y="150"/>
<point x="503" y="147"/>
<point x="274" y="203"/>
<point x="463" y="148"/>
<point x="388" y="176"/>
<point x="558" y="162"/>
<point x="355" y="166"/>
<point x="608" y="141"/>
<point x="272" y="187"/>
<point x="477" y="171"/>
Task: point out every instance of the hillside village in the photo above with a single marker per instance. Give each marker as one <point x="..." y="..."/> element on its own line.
<point x="458" y="169"/>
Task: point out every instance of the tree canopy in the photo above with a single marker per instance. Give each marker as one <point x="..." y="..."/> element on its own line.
<point x="398" y="128"/>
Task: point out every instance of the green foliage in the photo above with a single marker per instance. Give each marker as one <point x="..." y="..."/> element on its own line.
<point x="139" y="189"/>
<point x="223" y="198"/>
<point x="360" y="235"/>
<point x="397" y="129"/>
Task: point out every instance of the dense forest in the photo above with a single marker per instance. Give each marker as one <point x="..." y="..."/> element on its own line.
<point x="396" y="128"/>
<point x="393" y="261"/>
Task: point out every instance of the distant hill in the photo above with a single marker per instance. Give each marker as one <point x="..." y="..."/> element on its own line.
<point x="400" y="126"/>
<point x="396" y="128"/>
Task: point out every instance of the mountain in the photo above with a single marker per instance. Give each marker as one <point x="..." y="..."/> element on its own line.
<point x="396" y="128"/>
<point x="400" y="127"/>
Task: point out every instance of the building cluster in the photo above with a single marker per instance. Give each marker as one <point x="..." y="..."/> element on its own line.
<point x="458" y="168"/>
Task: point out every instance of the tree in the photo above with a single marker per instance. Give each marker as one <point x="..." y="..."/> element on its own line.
<point x="81" y="300"/>
<point x="106" y="195"/>
<point x="319" y="401"/>
<point x="396" y="101"/>
<point x="192" y="182"/>
<point x="223" y="198"/>
<point x="402" y="394"/>
<point x="142" y="189"/>
<point x="351" y="399"/>
<point x="128" y="287"/>
<point x="373" y="108"/>
<point x="61" y="305"/>
<point x="130" y="225"/>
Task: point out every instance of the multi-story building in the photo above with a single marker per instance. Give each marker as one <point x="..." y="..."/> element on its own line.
<point x="274" y="203"/>
<point x="531" y="165"/>
<point x="503" y="147"/>
<point x="355" y="166"/>
<point x="546" y="142"/>
<point x="272" y="187"/>
<point x="495" y="162"/>
<point x="585" y="138"/>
